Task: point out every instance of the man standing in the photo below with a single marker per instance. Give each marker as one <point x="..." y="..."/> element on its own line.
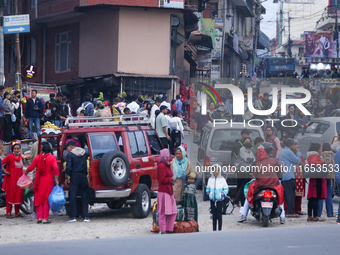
<point x="290" y="116"/>
<point x="133" y="106"/>
<point x="76" y="169"/>
<point x="2" y="107"/>
<point x="266" y="102"/>
<point x="164" y="98"/>
<point x="89" y="107"/>
<point x="17" y="112"/>
<point x="179" y="105"/>
<point x="270" y="138"/>
<point x="326" y="46"/>
<point x="161" y="126"/>
<point x="33" y="107"/>
<point x="263" y="66"/>
<point x="288" y="160"/>
<point x="154" y="108"/>
<point x="48" y="111"/>
<point x="57" y="109"/>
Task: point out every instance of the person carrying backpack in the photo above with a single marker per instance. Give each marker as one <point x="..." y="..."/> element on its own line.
<point x="87" y="106"/>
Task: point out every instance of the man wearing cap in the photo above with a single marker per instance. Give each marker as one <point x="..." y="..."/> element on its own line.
<point x="2" y="107"/>
<point x="76" y="169"/>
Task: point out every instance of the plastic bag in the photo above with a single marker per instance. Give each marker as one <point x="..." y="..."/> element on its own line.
<point x="246" y="187"/>
<point x="24" y="182"/>
<point x="56" y="199"/>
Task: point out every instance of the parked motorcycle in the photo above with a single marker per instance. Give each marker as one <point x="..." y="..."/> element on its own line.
<point x="266" y="205"/>
<point x="27" y="205"/>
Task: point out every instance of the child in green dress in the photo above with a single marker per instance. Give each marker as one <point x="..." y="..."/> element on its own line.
<point x="189" y="202"/>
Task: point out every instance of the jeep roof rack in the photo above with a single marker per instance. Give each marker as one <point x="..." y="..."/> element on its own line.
<point x="89" y="121"/>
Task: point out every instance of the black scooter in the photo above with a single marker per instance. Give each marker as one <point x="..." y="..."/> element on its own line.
<point x="27" y="205"/>
<point x="265" y="205"/>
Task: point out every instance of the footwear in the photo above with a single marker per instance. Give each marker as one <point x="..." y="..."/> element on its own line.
<point x="47" y="222"/>
<point x="293" y="216"/>
<point x="300" y="213"/>
<point x="310" y="218"/>
<point x="19" y="215"/>
<point x="338" y="222"/>
<point x="39" y="221"/>
<point x="72" y="220"/>
<point x="9" y="216"/>
<point x="242" y="218"/>
<point x="318" y="219"/>
<point x="86" y="219"/>
<point x="282" y="220"/>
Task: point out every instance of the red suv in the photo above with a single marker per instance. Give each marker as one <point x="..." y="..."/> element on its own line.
<point x="122" y="162"/>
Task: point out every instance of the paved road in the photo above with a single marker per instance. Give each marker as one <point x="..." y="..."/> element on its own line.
<point x="298" y="240"/>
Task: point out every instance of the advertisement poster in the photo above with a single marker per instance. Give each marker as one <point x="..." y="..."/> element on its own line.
<point x="204" y="60"/>
<point x="235" y="42"/>
<point x="178" y="4"/>
<point x="215" y="71"/>
<point x="208" y="28"/>
<point x="198" y="31"/>
<point x="248" y="43"/>
<point x="320" y="44"/>
<point x="217" y="51"/>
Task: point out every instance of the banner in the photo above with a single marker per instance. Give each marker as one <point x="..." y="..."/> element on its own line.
<point x="217" y="51"/>
<point x="235" y="42"/>
<point x="198" y="31"/>
<point x="215" y="71"/>
<point x="248" y="43"/>
<point x="208" y="28"/>
<point x="204" y="60"/>
<point x="320" y="44"/>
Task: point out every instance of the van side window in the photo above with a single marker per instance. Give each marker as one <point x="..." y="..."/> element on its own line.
<point x="154" y="143"/>
<point x="137" y="144"/>
<point x="322" y="128"/>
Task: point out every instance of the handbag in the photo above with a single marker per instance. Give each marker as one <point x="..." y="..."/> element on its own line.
<point x="13" y="118"/>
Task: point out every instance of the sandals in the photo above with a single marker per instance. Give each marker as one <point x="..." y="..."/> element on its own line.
<point x="318" y="219"/>
<point x="9" y="216"/>
<point x="39" y="221"/>
<point x="300" y="213"/>
<point x="310" y="218"/>
<point x="19" y="215"/>
<point x="293" y="216"/>
<point x="46" y="222"/>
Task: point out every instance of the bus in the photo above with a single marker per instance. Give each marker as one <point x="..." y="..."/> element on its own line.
<point x="280" y="67"/>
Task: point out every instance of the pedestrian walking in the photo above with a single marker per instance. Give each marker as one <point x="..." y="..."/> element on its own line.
<point x="47" y="167"/>
<point x="161" y="126"/>
<point x="166" y="204"/>
<point x="13" y="171"/>
<point x="76" y="169"/>
<point x="217" y="188"/>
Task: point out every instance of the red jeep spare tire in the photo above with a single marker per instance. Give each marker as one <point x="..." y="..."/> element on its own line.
<point x="114" y="168"/>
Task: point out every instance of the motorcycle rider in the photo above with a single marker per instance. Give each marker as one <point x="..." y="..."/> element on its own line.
<point x="320" y="98"/>
<point x="265" y="178"/>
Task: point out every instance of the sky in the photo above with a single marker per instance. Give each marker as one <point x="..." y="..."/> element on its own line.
<point x="268" y="24"/>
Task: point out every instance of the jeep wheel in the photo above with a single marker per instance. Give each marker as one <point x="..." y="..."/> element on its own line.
<point x="141" y="208"/>
<point x="114" y="168"/>
<point x="115" y="204"/>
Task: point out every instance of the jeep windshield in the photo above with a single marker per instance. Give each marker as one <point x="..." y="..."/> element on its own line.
<point x="102" y="143"/>
<point x="224" y="140"/>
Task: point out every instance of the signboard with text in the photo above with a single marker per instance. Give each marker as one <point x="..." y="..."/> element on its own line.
<point x="17" y="24"/>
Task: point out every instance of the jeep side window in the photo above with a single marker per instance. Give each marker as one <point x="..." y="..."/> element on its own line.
<point x="137" y="144"/>
<point x="154" y="143"/>
<point x="120" y="141"/>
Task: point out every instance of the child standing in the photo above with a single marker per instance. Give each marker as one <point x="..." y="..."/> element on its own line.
<point x="217" y="189"/>
<point x="189" y="202"/>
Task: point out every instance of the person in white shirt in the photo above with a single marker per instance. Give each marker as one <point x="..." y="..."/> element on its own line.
<point x="168" y="118"/>
<point x="176" y="131"/>
<point x="154" y="108"/>
<point x="133" y="106"/>
<point x="164" y="98"/>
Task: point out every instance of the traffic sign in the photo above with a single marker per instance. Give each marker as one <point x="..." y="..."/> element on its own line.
<point x="17" y="24"/>
<point x="30" y="71"/>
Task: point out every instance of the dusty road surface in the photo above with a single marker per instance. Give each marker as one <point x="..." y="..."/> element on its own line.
<point x="108" y="223"/>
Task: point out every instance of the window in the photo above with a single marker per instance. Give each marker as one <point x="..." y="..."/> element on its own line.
<point x="224" y="140"/>
<point x="154" y="143"/>
<point x="33" y="4"/>
<point x="312" y="127"/>
<point x="63" y="52"/>
<point x="100" y="144"/>
<point x="32" y="51"/>
<point x="322" y="128"/>
<point x="137" y="144"/>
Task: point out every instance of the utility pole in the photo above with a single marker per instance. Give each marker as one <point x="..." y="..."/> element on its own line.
<point x="17" y="46"/>
<point x="2" y="61"/>
<point x="337" y="38"/>
<point x="289" y="41"/>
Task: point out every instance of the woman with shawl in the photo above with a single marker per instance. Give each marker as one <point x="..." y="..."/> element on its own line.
<point x="13" y="171"/>
<point x="180" y="166"/>
<point x="47" y="166"/>
<point x="166" y="204"/>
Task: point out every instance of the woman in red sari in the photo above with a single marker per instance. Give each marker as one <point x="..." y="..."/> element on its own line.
<point x="47" y="166"/>
<point x="13" y="171"/>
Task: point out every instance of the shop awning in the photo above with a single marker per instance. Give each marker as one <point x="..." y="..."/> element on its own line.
<point x="263" y="42"/>
<point x="201" y="40"/>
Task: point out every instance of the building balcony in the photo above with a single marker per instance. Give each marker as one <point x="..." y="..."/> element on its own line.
<point x="245" y="7"/>
<point x="327" y="20"/>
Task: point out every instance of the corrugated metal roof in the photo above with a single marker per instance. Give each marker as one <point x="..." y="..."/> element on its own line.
<point x="136" y="75"/>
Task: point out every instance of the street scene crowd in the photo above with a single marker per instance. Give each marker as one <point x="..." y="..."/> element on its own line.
<point x="177" y="177"/>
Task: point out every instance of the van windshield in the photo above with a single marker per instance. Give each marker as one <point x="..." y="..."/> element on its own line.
<point x="102" y="143"/>
<point x="224" y="140"/>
